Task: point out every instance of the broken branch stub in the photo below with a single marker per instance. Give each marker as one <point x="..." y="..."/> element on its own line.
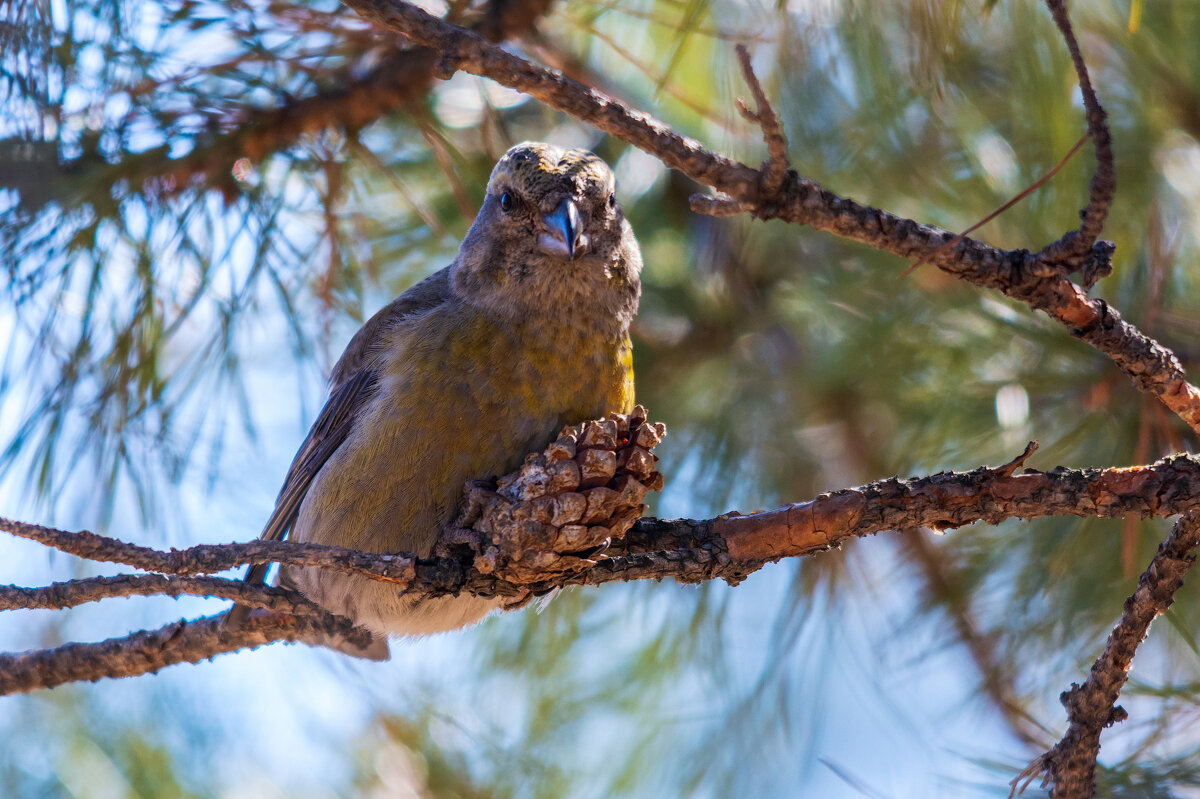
<point x="566" y="504"/>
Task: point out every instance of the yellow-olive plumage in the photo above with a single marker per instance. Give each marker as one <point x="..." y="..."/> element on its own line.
<point x="459" y="377"/>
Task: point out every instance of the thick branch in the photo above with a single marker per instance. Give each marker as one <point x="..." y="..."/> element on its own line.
<point x="727" y="547"/>
<point x="942" y="501"/>
<point x="1016" y="273"/>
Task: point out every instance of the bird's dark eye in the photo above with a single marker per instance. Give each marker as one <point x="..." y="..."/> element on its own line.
<point x="506" y="202"/>
<point x="612" y="200"/>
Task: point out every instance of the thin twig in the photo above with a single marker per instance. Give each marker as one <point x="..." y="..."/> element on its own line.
<point x="72" y="593"/>
<point x="212" y="558"/>
<point x="1030" y="189"/>
<point x="1077" y="244"/>
<point x="1010" y="468"/>
<point x="774" y="169"/>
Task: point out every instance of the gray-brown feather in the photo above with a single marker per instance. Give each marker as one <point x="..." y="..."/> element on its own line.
<point x="452" y="363"/>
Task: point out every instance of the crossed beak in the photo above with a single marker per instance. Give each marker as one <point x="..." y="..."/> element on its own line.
<point x="564" y="236"/>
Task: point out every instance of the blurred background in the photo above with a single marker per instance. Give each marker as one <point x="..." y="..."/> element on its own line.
<point x="200" y="201"/>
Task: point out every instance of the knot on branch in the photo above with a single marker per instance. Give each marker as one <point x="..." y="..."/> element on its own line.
<point x="1097" y="264"/>
<point x="1093" y="265"/>
<point x="565" y="505"/>
<point x="1087" y="704"/>
<point x="1074" y="700"/>
<point x="1010" y="468"/>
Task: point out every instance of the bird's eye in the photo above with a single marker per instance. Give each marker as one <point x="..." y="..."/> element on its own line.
<point x="506" y="202"/>
<point x="612" y="200"/>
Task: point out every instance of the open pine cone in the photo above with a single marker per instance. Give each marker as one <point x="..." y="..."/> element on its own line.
<point x="562" y="508"/>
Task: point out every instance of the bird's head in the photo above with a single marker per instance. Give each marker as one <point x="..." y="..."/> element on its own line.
<point x="550" y="233"/>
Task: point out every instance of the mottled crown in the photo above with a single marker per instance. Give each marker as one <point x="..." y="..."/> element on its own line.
<point x="551" y="241"/>
<point x="536" y="170"/>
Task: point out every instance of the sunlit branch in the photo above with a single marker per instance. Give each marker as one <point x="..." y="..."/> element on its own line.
<point x="728" y="547"/>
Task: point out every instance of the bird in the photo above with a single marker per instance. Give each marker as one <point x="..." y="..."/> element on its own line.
<point x="527" y="330"/>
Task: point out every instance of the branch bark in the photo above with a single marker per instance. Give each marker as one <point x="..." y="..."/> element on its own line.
<point x="728" y="547"/>
<point x="151" y="650"/>
<point x="210" y="558"/>
<point x="1070" y="767"/>
<point x="59" y="596"/>
<point x="1072" y="247"/>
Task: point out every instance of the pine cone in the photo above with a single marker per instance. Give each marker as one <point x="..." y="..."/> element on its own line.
<point x="562" y="508"/>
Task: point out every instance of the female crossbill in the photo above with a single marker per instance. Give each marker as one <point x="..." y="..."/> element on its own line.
<point x="460" y="376"/>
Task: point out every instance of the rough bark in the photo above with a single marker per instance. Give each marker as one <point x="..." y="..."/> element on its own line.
<point x="728" y="547"/>
<point x="1070" y="767"/>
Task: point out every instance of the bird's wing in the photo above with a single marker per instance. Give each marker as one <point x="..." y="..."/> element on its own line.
<point x="352" y="385"/>
<point x="430" y="292"/>
<point x="327" y="434"/>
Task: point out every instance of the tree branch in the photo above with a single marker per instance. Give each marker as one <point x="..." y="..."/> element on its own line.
<point x="728" y="547"/>
<point x="1075" y="245"/>
<point x="69" y="594"/>
<point x="1070" y="767"/>
<point x="210" y="558"/>
<point x="942" y="501"/>
<point x="774" y="169"/>
<point x="180" y="642"/>
<point x="1019" y="274"/>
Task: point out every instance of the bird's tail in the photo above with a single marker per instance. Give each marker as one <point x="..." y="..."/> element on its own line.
<point x="376" y="647"/>
<point x="255" y="575"/>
